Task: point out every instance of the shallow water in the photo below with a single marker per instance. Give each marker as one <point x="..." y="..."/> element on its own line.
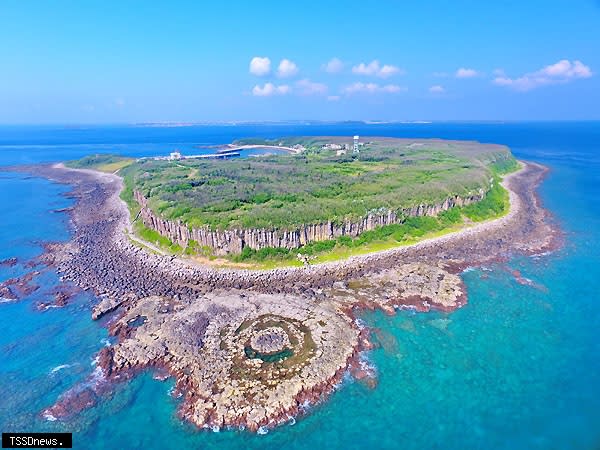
<point x="518" y="367"/>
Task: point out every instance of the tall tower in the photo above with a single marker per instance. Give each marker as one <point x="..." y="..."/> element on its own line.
<point x="355" y="144"/>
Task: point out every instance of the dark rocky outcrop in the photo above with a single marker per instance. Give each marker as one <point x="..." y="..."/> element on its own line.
<point x="109" y="304"/>
<point x="9" y="262"/>
<point x="19" y="287"/>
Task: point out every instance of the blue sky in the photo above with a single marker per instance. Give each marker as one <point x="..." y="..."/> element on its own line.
<point x="111" y="62"/>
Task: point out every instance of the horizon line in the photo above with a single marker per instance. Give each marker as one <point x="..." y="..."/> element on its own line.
<point x="182" y="124"/>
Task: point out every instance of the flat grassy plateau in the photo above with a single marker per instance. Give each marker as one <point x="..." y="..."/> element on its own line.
<point x="316" y="186"/>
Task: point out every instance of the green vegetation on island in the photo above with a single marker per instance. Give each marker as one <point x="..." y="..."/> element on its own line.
<point x="102" y="162"/>
<point x="494" y="205"/>
<point x="317" y="186"/>
<point x="327" y="182"/>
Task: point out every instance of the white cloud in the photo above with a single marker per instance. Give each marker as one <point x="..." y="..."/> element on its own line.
<point x="363" y="69"/>
<point x="307" y="87"/>
<point x="333" y="98"/>
<point x="567" y="69"/>
<point x="287" y="69"/>
<point x="466" y="73"/>
<point x="561" y="72"/>
<point x="269" y="89"/>
<point x="119" y="102"/>
<point x="334" y="65"/>
<point x="437" y="89"/>
<point x="374" y="68"/>
<point x="388" y="70"/>
<point x="393" y="88"/>
<point x="372" y="88"/>
<point x="260" y="66"/>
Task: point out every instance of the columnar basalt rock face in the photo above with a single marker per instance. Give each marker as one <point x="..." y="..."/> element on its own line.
<point x="233" y="241"/>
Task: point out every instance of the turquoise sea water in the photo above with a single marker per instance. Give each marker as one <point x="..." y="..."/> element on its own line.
<point x="518" y="367"/>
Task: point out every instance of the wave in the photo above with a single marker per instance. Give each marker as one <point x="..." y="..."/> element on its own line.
<point x="96" y="378"/>
<point x="47" y="307"/>
<point x="49" y="417"/>
<point x="361" y="324"/>
<point x="540" y="255"/>
<point x="366" y="366"/>
<point x="58" y="368"/>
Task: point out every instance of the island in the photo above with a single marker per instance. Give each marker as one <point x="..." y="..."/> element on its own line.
<point x="329" y="201"/>
<point x="242" y="278"/>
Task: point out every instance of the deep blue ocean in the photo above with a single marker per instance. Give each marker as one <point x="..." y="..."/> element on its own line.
<point x="517" y="368"/>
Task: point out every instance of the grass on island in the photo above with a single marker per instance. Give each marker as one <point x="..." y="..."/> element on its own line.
<point x="290" y="190"/>
<point x="413" y="230"/>
<point x="316" y="186"/>
<point x="101" y="162"/>
<point x="143" y="232"/>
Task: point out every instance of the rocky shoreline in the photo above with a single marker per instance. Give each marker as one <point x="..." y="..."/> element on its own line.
<point x="250" y="348"/>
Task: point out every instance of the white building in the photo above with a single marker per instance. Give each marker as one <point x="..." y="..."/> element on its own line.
<point x="175" y="155"/>
<point x="356" y="144"/>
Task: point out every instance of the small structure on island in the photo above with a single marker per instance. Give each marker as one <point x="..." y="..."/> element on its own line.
<point x="355" y="144"/>
<point x="175" y="156"/>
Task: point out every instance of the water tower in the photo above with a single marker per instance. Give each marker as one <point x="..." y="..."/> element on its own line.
<point x="355" y="144"/>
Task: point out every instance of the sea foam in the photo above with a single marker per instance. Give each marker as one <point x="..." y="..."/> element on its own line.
<point x="61" y="367"/>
